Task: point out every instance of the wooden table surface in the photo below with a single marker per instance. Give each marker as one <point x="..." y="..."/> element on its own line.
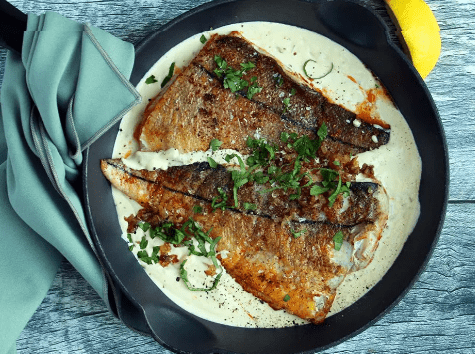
<point x="438" y="313"/>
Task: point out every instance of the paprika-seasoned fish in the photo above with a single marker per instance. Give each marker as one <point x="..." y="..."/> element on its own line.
<point x="197" y="107"/>
<point x="280" y="252"/>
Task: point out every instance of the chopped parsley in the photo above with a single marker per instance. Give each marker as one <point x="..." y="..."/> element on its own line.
<point x="153" y="258"/>
<point x="286" y="298"/>
<point x="144" y="226"/>
<point x="240" y="177"/>
<point x="167" y="78"/>
<point x="296" y="234"/>
<point x="212" y="163"/>
<point x="191" y="235"/>
<point x="253" y="88"/>
<point x="249" y="206"/>
<point x="329" y="183"/>
<point x="232" y="79"/>
<point x="286" y="102"/>
<point x="338" y="239"/>
<point x="262" y="167"/>
<point x="197" y="209"/>
<point x="215" y="144"/>
<point x="219" y="202"/>
<point x="143" y="243"/>
<point x="150" y="80"/>
<point x="203" y="39"/>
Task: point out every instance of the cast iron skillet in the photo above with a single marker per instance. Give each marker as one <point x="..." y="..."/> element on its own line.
<point x="362" y="32"/>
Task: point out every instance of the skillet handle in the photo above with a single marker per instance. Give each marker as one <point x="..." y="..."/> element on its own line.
<point x="12" y="26"/>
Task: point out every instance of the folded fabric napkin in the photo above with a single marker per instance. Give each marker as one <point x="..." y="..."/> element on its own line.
<point x="68" y="86"/>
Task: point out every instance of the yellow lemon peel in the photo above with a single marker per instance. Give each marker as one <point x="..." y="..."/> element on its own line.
<point x="419" y="32"/>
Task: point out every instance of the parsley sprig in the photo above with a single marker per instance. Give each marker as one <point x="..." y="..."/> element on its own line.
<point x="167" y="78"/>
<point x="338" y="239"/>
<point x="232" y="78"/>
<point x="191" y="235"/>
<point x="330" y="183"/>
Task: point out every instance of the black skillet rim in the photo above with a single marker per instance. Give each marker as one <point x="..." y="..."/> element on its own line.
<point x="363" y="313"/>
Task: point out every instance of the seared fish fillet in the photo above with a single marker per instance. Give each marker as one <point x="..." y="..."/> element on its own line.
<point x="263" y="255"/>
<point x="197" y="108"/>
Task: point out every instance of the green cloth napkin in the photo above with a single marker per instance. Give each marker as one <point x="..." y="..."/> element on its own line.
<point x="69" y="85"/>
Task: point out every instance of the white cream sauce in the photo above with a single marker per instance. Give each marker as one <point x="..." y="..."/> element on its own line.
<point x="397" y="165"/>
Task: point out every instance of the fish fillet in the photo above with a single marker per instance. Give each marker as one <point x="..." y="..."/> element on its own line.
<point x="196" y="108"/>
<point x="263" y="255"/>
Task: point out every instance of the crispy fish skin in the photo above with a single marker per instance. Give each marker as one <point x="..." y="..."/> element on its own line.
<point x="263" y="256"/>
<point x="197" y="108"/>
<point x="308" y="108"/>
<point x="202" y="181"/>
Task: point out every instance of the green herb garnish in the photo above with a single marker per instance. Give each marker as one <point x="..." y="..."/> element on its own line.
<point x="338" y="239"/>
<point x="315" y="78"/>
<point x="215" y="144"/>
<point x="296" y="234"/>
<point x="203" y="39"/>
<point x="191" y="229"/>
<point x="253" y="88"/>
<point x="153" y="258"/>
<point x="249" y="206"/>
<point x="329" y="183"/>
<point x="171" y="70"/>
<point x="219" y="202"/>
<point x="212" y="163"/>
<point x="286" y="297"/>
<point x="144" y="226"/>
<point x="232" y="78"/>
<point x="239" y="177"/>
<point x="190" y="235"/>
<point x="150" y="80"/>
<point x="286" y="102"/>
<point x="143" y="243"/>
<point x="197" y="209"/>
<point x="262" y="168"/>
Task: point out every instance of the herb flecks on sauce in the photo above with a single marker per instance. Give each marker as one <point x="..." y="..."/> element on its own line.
<point x="167" y="78"/>
<point x="150" y="80"/>
<point x="190" y="235"/>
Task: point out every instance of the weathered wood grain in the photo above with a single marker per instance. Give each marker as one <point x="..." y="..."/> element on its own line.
<point x="438" y="313"/>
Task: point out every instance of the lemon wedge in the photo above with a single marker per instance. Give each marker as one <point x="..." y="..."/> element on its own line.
<point x="418" y="31"/>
